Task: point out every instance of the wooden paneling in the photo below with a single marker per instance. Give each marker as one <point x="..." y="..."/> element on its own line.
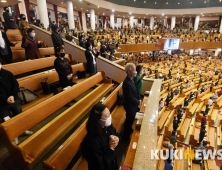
<point x="183" y="45"/>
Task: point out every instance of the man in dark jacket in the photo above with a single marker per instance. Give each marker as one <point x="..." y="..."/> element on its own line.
<point x="103" y="49"/>
<point x="202" y="133"/>
<point x="5" y="50"/>
<point x="56" y="38"/>
<point x="68" y="37"/>
<point x="9" y="20"/>
<point x="131" y="99"/>
<point x="175" y="123"/>
<point x="91" y="59"/>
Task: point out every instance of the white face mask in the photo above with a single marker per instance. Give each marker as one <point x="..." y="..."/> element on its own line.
<point x="134" y="74"/>
<point x="108" y="121"/>
<point x="32" y="35"/>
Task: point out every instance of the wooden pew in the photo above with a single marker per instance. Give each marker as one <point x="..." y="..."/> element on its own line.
<point x="29" y="152"/>
<point x="194" y="137"/>
<point x="31" y="65"/>
<point x="74" y="141"/>
<point x="162" y="120"/>
<point x="161" y="112"/>
<point x="190" y="164"/>
<point x="190" y="110"/>
<point x="211" y="137"/>
<point x="34" y="83"/>
<point x="183" y="128"/>
<point x="219" y="137"/>
<point x="212" y="117"/>
<point x="19" y="55"/>
<point x="168" y="127"/>
<point x="210" y="164"/>
<point x="171" y="106"/>
<point x="218" y="102"/>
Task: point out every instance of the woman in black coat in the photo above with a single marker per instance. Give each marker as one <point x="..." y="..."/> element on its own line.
<point x="63" y="68"/>
<point x="91" y="60"/>
<point x="5" y="50"/>
<point x="98" y="147"/>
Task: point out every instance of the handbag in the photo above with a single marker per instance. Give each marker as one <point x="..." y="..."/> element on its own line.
<point x="81" y="74"/>
<point x="45" y="86"/>
<point x="26" y="95"/>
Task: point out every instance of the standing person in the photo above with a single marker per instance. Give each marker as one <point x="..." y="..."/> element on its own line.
<point x="9" y="101"/>
<point x="204" y="119"/>
<point x="23" y="25"/>
<point x="131" y="99"/>
<point x="175" y="123"/>
<point x="68" y="37"/>
<point x="138" y="80"/>
<point x="99" y="144"/>
<point x="63" y="68"/>
<point x="202" y="133"/>
<point x="91" y="60"/>
<point x="56" y="38"/>
<point x="31" y="45"/>
<point x="5" y="50"/>
<point x="9" y="20"/>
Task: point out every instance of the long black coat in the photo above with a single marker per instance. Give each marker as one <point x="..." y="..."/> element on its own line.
<point x="8" y="44"/>
<point x="10" y="24"/>
<point x="89" y="65"/>
<point x="57" y="39"/>
<point x="96" y="150"/>
<point x="131" y="96"/>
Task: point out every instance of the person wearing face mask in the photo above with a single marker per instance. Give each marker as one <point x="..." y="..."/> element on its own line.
<point x="131" y="99"/>
<point x="9" y="20"/>
<point x="5" y="50"/>
<point x="138" y="80"/>
<point x="23" y="25"/>
<point x="63" y="68"/>
<point x="91" y="59"/>
<point x="98" y="146"/>
<point x="31" y="45"/>
<point x="56" y="38"/>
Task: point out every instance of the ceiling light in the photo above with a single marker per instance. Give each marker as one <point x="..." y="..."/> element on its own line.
<point x="219" y="0"/>
<point x="98" y="6"/>
<point x="134" y="0"/>
<point x="103" y="14"/>
<point x="162" y="14"/>
<point x="167" y="3"/>
<point x="216" y="14"/>
<point x="155" y="2"/>
<point x="123" y="17"/>
<point x="139" y="17"/>
<point x="81" y="8"/>
<point x="80" y="0"/>
<point x="130" y="13"/>
<point x="87" y="10"/>
<point x="181" y="14"/>
<point x="178" y="3"/>
<point x="144" y="17"/>
<point x="144" y="2"/>
<point x="205" y="2"/>
<point x="61" y="2"/>
<point x="118" y="15"/>
<point x="166" y="17"/>
<point x="98" y="12"/>
<point x="112" y="10"/>
<point x="190" y="2"/>
<point x="3" y="1"/>
<point x="146" y="14"/>
<point x="203" y="15"/>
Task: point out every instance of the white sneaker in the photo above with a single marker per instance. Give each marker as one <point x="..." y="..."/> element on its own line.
<point x="27" y="132"/>
<point x="16" y="141"/>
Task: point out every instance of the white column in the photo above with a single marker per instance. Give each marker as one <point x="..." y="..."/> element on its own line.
<point x="37" y="13"/>
<point x="165" y="22"/>
<point x="191" y="52"/>
<point x="173" y="21"/>
<point x="218" y="50"/>
<point x="43" y="14"/>
<point x="125" y="22"/>
<point x="151" y="22"/>
<point x="131" y="21"/>
<point x="1" y="13"/>
<point x="112" y="20"/>
<point x="22" y="9"/>
<point x="196" y="23"/>
<point x="220" y="30"/>
<point x="70" y="14"/>
<point x="84" y="21"/>
<point x="143" y="22"/>
<point x="97" y="21"/>
<point x="92" y="18"/>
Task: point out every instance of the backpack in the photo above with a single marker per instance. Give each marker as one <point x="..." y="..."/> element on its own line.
<point x="120" y="99"/>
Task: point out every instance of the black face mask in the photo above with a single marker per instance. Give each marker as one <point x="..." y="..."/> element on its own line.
<point x="7" y="11"/>
<point x="62" y="54"/>
<point x="24" y="19"/>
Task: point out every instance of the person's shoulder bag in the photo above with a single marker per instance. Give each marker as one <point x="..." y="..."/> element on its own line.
<point x="26" y="95"/>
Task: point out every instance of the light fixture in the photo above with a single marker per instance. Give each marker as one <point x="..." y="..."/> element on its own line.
<point x="178" y="3"/>
<point x="162" y="14"/>
<point x="103" y="14"/>
<point x="216" y="14"/>
<point x="134" y="0"/>
<point x="123" y="17"/>
<point x="144" y="17"/>
<point x="167" y="3"/>
<point x="203" y="15"/>
<point x="205" y="2"/>
<point x="112" y="10"/>
<point x="155" y="2"/>
<point x="146" y="14"/>
<point x="181" y="14"/>
<point x="190" y="2"/>
<point x="98" y="12"/>
<point x="118" y="15"/>
<point x="80" y="0"/>
<point x="98" y="6"/>
<point x="144" y="2"/>
<point x="87" y="10"/>
<point x="3" y="1"/>
<point x="61" y="2"/>
<point x="130" y="13"/>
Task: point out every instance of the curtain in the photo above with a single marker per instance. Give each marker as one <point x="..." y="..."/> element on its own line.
<point x="27" y="9"/>
<point x="104" y="21"/>
<point x="80" y="18"/>
<point x="219" y="22"/>
<point x="169" y="22"/>
<point x="193" y="21"/>
<point x="17" y="10"/>
<point x="56" y="13"/>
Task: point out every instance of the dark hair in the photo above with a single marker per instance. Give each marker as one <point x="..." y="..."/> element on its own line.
<point x="0" y="60"/>
<point x="21" y="15"/>
<point x="173" y="132"/>
<point x="88" y="45"/>
<point x="5" y="8"/>
<point x="138" y="68"/>
<point x="93" y="126"/>
<point x="30" y="30"/>
<point x="58" y="49"/>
